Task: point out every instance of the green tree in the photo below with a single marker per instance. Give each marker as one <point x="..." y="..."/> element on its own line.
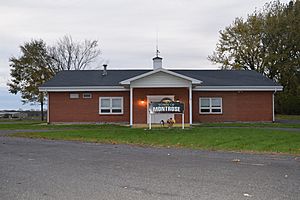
<point x="29" y="71"/>
<point x="240" y="46"/>
<point x="39" y="62"/>
<point x="268" y="41"/>
<point x="283" y="41"/>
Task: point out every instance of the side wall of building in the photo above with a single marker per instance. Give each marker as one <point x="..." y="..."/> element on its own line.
<point x="237" y="107"/>
<point x="64" y="109"/>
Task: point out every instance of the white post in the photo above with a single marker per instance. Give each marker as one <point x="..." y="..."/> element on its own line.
<point x="48" y="106"/>
<point x="149" y="120"/>
<point x="131" y="106"/>
<point x="182" y="120"/>
<point x="190" y="104"/>
<point x="273" y="117"/>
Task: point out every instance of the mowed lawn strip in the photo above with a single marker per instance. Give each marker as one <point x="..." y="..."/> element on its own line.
<point x="288" y="117"/>
<point x="42" y="126"/>
<point x="45" y="126"/>
<point x="253" y="125"/>
<point x="228" y="139"/>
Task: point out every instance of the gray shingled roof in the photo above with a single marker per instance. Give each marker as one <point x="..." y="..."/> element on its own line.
<point x="228" y="77"/>
<point x="114" y="77"/>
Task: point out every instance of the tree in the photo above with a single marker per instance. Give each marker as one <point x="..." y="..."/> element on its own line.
<point x="283" y="39"/>
<point x="70" y="55"/>
<point x="39" y="62"/>
<point x="268" y="41"/>
<point x="29" y="71"/>
<point x="240" y="45"/>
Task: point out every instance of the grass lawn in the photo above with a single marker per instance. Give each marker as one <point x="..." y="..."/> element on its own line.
<point x="38" y="125"/>
<point x="288" y="117"/>
<point x="243" y="139"/>
<point x="253" y="125"/>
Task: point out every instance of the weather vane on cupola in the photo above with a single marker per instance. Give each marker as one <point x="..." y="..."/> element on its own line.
<point x="157" y="51"/>
<point x="157" y="61"/>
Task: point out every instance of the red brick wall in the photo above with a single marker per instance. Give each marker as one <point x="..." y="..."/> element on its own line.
<point x="64" y="109"/>
<point x="140" y="111"/>
<point x="237" y="106"/>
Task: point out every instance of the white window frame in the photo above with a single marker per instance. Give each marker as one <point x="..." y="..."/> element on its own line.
<point x="210" y="105"/>
<point x="87" y="93"/>
<point x="70" y="96"/>
<point x="110" y="107"/>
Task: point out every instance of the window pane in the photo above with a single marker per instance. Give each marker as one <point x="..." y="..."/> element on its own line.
<point x="204" y="102"/>
<point x="216" y="102"/>
<point x="74" y="96"/>
<point x="116" y="103"/>
<point x="87" y="95"/>
<point x="105" y="110"/>
<point x="116" y="110"/>
<point x="105" y="103"/>
<point x="216" y="110"/>
<point x="205" y="110"/>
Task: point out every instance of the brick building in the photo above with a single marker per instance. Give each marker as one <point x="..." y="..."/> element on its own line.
<point x="124" y="95"/>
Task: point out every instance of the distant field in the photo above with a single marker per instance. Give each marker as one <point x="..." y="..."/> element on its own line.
<point x="239" y="137"/>
<point x="20" y="120"/>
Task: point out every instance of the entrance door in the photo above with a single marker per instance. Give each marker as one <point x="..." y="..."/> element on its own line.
<point x="156" y="118"/>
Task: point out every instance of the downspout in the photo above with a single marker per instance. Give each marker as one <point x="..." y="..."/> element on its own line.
<point x="273" y="118"/>
<point x="131" y="107"/>
<point x="48" y="106"/>
<point x="191" y="104"/>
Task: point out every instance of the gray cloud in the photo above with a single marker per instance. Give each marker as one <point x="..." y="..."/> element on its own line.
<point x="126" y="29"/>
<point x="10" y="101"/>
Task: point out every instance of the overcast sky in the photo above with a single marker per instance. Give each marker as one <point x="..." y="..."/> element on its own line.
<point x="126" y="30"/>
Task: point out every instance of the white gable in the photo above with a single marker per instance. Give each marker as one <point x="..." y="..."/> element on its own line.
<point x="161" y="79"/>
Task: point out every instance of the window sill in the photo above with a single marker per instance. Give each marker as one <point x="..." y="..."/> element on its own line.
<point x="211" y="113"/>
<point x="111" y="113"/>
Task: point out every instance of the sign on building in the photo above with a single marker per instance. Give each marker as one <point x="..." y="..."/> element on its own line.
<point x="166" y="107"/>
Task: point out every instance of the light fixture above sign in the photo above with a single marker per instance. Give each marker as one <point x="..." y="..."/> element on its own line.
<point x="142" y="102"/>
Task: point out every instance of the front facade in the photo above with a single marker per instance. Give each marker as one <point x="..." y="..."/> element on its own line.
<point x="123" y="96"/>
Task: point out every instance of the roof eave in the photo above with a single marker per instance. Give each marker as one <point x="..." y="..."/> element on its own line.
<point x="82" y="88"/>
<point x="239" y="88"/>
<point x="128" y="81"/>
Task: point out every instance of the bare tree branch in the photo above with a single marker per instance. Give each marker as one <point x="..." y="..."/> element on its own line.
<point x="70" y="55"/>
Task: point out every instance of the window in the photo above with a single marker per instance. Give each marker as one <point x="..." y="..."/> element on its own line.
<point x="87" y="95"/>
<point x="210" y="105"/>
<point x="74" y="96"/>
<point x="111" y="105"/>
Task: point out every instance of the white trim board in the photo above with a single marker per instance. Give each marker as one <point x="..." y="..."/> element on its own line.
<point x="83" y="89"/>
<point x="128" y="81"/>
<point x="164" y="86"/>
<point x="238" y="88"/>
<point x="122" y="88"/>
